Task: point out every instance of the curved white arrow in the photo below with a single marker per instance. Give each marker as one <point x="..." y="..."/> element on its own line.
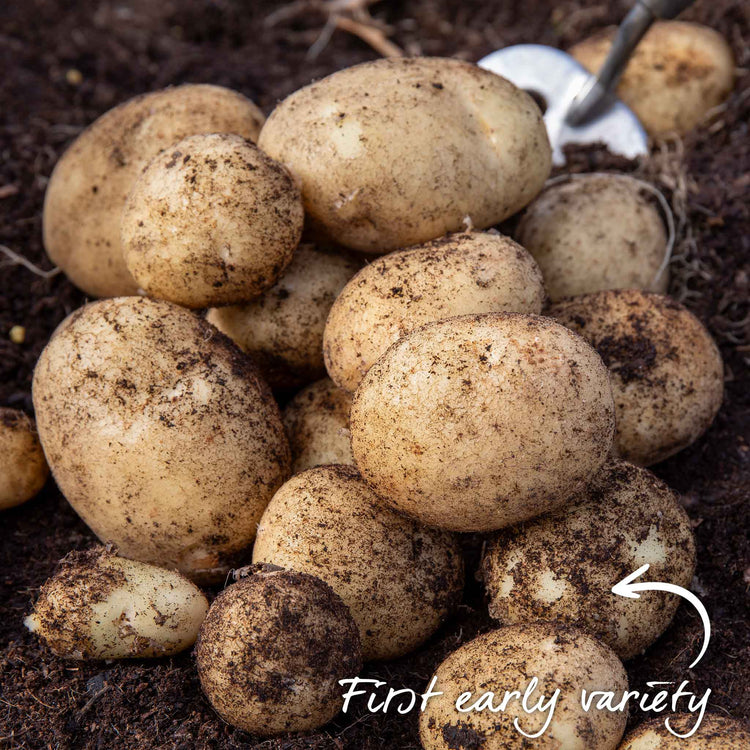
<point x="627" y="588"/>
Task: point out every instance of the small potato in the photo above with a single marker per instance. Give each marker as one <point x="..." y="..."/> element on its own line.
<point x="272" y="649"/>
<point x="399" y="579"/>
<point x="482" y="421"/>
<point x="317" y="424"/>
<point x="594" y="232"/>
<point x="507" y="660"/>
<point x="399" y="151"/>
<point x="677" y="73"/>
<point x="398" y="293"/>
<point x="714" y="733"/>
<point x="89" y="185"/>
<point x="562" y="566"/>
<point x="25" y="469"/>
<point x="100" y="606"/>
<point x="283" y="328"/>
<point x="666" y="370"/>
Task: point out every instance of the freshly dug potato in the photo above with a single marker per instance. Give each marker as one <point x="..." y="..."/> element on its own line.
<point x="283" y="329"/>
<point x="594" y="232"/>
<point x="399" y="151"/>
<point x="714" y="733"/>
<point x="677" y="73"/>
<point x="101" y="606"/>
<point x="562" y="566"/>
<point x="507" y="660"/>
<point x="399" y="579"/>
<point x="666" y="370"/>
<point x="272" y="649"/>
<point x="211" y="220"/>
<point x="89" y="185"/>
<point x="396" y="294"/>
<point x="482" y="421"/>
<point x="317" y="424"/>
<point x="25" y="469"/>
<point x="160" y="433"/>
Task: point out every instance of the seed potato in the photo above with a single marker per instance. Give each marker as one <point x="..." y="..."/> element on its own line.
<point x="715" y="733"/>
<point x="25" y="469"/>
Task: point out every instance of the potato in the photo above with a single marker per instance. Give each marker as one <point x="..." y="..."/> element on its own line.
<point x="160" y="433"/>
<point x="400" y="151"/>
<point x="283" y="329"/>
<point x="25" y="469"/>
<point x="594" y="232"/>
<point x="482" y="421"/>
<point x="562" y="566"/>
<point x="678" y="72"/>
<point x="317" y="424"/>
<point x="272" y="649"/>
<point x="666" y="370"/>
<point x="211" y="221"/>
<point x="101" y="606"/>
<point x="396" y="294"/>
<point x="714" y="733"/>
<point x="507" y="660"/>
<point x="399" y="579"/>
<point x="88" y="187"/>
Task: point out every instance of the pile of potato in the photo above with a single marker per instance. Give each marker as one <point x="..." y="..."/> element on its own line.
<point x="459" y="400"/>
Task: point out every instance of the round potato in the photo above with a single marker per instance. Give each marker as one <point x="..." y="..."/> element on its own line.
<point x="283" y="329"/>
<point x="714" y="733"/>
<point x="594" y="232"/>
<point x="160" y="433"/>
<point x="399" y="579"/>
<point x="396" y="294"/>
<point x="25" y="469"/>
<point x="666" y="370"/>
<point x="482" y="421"/>
<point x="399" y="151"/>
<point x="89" y="185"/>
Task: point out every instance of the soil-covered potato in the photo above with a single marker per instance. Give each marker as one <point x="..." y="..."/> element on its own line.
<point x="272" y="649"/>
<point x="456" y="275"/>
<point x="24" y="469"/>
<point x="159" y="432"/>
<point x="483" y="421"/>
<point x="714" y="733"/>
<point x="666" y="370"/>
<point x="562" y="566"/>
<point x="399" y="579"/>
<point x="89" y="185"/>
<point x="399" y="151"/>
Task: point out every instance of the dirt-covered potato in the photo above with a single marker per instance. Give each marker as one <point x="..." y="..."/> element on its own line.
<point x="24" y="469"/>
<point x="317" y="425"/>
<point x="714" y="733"/>
<point x="562" y="566"/>
<point x="666" y="370"/>
<point x="456" y="275"/>
<point x="508" y="659"/>
<point x="482" y="421"/>
<point x="211" y="220"/>
<point x="101" y="606"/>
<point x="89" y="185"/>
<point x="399" y="579"/>
<point x="160" y="433"/>
<point x="283" y="328"/>
<point x="399" y="151"/>
<point x="272" y="649"/>
<point x="678" y="72"/>
<point x="594" y="232"/>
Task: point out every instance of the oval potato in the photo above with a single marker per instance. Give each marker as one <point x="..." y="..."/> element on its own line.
<point x="25" y="469"/>
<point x="714" y="733"/>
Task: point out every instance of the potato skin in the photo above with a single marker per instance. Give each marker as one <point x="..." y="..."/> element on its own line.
<point x="715" y="733"/>
<point x="25" y="469"/>
<point x="160" y="433"/>
<point x="396" y="294"/>
<point x="399" y="579"/>
<point x="399" y="151"/>
<point x="89" y="185"/>
<point x="563" y="566"/>
<point x="666" y="370"/>
<point x="482" y="421"/>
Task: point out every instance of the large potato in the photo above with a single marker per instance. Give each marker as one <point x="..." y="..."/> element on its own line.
<point x="400" y="151"/>
<point x="714" y="733"/>
<point x="159" y="432"/>
<point x="90" y="183"/>
<point x="483" y="421"/>
<point x="392" y="296"/>
<point x="24" y="468"/>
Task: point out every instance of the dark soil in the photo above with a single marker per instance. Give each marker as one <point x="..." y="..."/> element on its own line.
<point x="121" y="48"/>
